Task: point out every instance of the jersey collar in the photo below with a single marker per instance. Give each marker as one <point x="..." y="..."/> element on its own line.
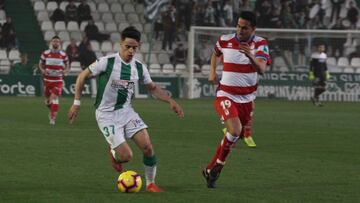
<point x="122" y="61"/>
<point x="250" y="39"/>
<point x="55" y="51"/>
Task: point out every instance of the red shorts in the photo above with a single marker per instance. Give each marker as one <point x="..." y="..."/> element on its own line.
<point x="52" y="88"/>
<point x="227" y="108"/>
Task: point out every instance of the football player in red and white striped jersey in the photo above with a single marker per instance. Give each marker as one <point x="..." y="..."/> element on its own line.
<point x="53" y="65"/>
<point x="245" y="56"/>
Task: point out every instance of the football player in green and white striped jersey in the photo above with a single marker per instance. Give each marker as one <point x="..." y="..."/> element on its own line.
<point x="117" y="120"/>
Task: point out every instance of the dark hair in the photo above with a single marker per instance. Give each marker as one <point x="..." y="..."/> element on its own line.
<point x="249" y="16"/>
<point x="131" y="32"/>
<point x="318" y="41"/>
<point x="56" y="37"/>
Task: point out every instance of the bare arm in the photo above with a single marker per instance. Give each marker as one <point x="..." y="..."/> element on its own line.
<point x="67" y="68"/>
<point x="80" y="81"/>
<point x="41" y="67"/>
<point x="258" y="63"/>
<point x="212" y="75"/>
<point x="161" y="94"/>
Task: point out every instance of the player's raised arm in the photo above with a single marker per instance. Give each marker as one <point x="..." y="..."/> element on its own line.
<point x="162" y="95"/>
<point x="80" y="81"/>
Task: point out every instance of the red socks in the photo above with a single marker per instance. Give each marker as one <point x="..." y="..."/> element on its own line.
<point x="223" y="150"/>
<point x="247" y="128"/>
<point x="54" y="107"/>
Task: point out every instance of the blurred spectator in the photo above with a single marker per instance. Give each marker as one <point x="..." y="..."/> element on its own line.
<point x="2" y="2"/>
<point x="301" y="5"/>
<point x="72" y="50"/>
<point x="353" y="14"/>
<point x="204" y="54"/>
<point x="337" y="44"/>
<point x="188" y="13"/>
<point x="216" y="4"/>
<point x="87" y="57"/>
<point x="8" y="35"/>
<point x="83" y="45"/>
<point x="199" y="14"/>
<point x="356" y="53"/>
<point x="336" y="7"/>
<point x="287" y="18"/>
<point x="316" y="14"/>
<point x="228" y="13"/>
<point x="274" y="19"/>
<point x="71" y="12"/>
<point x="92" y="32"/>
<point x="57" y="1"/>
<point x="179" y="55"/>
<point x="183" y="13"/>
<point x="169" y="26"/>
<point x="84" y="11"/>
<point x="235" y="4"/>
<point x="209" y="17"/>
<point x="301" y="20"/>
<point x="10" y="41"/>
<point x="23" y="67"/>
<point x="245" y="6"/>
<point x="7" y="26"/>
<point x="263" y="10"/>
<point x="57" y="15"/>
<point x="180" y="14"/>
<point x="158" y="26"/>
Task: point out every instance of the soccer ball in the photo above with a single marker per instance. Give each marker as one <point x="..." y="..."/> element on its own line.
<point x="129" y="182"/>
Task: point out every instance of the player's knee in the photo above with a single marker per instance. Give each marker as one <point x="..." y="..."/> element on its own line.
<point x="235" y="132"/>
<point x="125" y="156"/>
<point x="55" y="101"/>
<point x="148" y="149"/>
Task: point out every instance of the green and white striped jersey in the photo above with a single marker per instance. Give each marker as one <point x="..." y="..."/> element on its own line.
<point x="116" y="80"/>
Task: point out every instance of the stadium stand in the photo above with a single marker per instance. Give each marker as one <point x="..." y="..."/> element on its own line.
<point x="112" y="16"/>
<point x="155" y="68"/>
<point x="355" y="63"/>
<point x="205" y="69"/>
<point x="168" y="69"/>
<point x="181" y="68"/>
<point x="4" y="66"/>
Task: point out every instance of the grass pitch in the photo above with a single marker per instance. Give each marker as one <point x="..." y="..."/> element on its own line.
<point x="304" y="154"/>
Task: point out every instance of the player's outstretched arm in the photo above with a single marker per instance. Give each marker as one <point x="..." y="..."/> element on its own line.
<point x="74" y="109"/>
<point x="161" y="94"/>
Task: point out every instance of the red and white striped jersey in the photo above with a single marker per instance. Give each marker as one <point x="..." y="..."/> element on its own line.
<point x="239" y="78"/>
<point x="55" y="63"/>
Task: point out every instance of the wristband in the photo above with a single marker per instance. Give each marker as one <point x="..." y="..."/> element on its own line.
<point x="77" y="102"/>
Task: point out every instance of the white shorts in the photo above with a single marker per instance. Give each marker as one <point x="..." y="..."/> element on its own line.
<point x="119" y="125"/>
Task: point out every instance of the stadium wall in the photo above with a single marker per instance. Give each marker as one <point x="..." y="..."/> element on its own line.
<point x="292" y="86"/>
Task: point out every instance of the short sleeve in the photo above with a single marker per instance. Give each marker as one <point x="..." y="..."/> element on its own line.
<point x="98" y="66"/>
<point x="146" y="75"/>
<point x="263" y="52"/>
<point x="218" y="48"/>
